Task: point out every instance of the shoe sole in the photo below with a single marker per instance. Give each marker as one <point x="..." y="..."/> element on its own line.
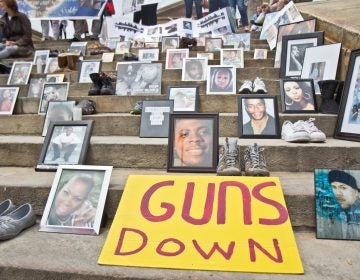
<point x="257" y="173"/>
<point x="14" y="234"/>
<point x="299" y="139"/>
<point x="245" y="91"/>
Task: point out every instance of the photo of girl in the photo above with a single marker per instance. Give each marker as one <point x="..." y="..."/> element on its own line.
<point x="298" y="95"/>
<point x="7" y="100"/>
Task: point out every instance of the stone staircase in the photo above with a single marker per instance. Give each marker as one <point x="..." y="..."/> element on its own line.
<point x="115" y="141"/>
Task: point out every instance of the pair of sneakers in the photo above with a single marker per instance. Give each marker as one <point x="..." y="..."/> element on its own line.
<point x="257" y="86"/>
<point x="14" y="220"/>
<point x="302" y="131"/>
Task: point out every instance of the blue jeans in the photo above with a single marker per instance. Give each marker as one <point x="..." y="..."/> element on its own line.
<point x="6" y="51"/>
<point x="242" y="9"/>
<point x="189" y="6"/>
<point x="215" y="5"/>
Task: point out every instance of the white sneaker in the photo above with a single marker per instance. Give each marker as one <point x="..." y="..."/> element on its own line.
<point x="246" y="88"/>
<point x="294" y="132"/>
<point x="259" y="86"/>
<point x="316" y="135"/>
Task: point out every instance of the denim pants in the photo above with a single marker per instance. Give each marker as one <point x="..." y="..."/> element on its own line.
<point x="6" y="51"/>
<point x="189" y="6"/>
<point x="215" y="5"/>
<point x="242" y="9"/>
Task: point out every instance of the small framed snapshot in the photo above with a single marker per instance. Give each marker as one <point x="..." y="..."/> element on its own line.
<point x="55" y="78"/>
<point x="65" y="143"/>
<point x="193" y="142"/>
<point x="321" y="63"/>
<point x="53" y="92"/>
<point x="258" y="117"/>
<point x="36" y="87"/>
<point x="186" y="98"/>
<point x="243" y="41"/>
<point x="138" y="43"/>
<point x="20" y="73"/>
<point x="86" y="68"/>
<point x="155" y="118"/>
<point x="298" y="96"/>
<point x="205" y="55"/>
<point x="122" y="47"/>
<point x="139" y="78"/>
<point x="260" y="54"/>
<point x="170" y="42"/>
<point x="41" y="57"/>
<point x="221" y="79"/>
<point x="111" y="42"/>
<point x="348" y="121"/>
<point x="78" y="47"/>
<point x="174" y="58"/>
<point x="232" y="57"/>
<point x="294" y="46"/>
<point x="8" y="96"/>
<point x="58" y="111"/>
<point x="107" y="57"/>
<point x="194" y="69"/>
<point x="90" y="183"/>
<point x="148" y="55"/>
<point x="52" y="65"/>
<point x="230" y="40"/>
<point x="337" y="195"/>
<point x="213" y="44"/>
<point x="151" y="45"/>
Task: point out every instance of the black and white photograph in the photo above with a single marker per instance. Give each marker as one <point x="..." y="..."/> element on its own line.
<point x="36" y="87"/>
<point x="174" y="58"/>
<point x="78" y="47"/>
<point x="8" y="96"/>
<point x="148" y="55"/>
<point x="20" y="73"/>
<point x="58" y="111"/>
<point x="122" y="47"/>
<point x="88" y="67"/>
<point x="221" y="79"/>
<point x="52" y="65"/>
<point x="55" y="78"/>
<point x="53" y="92"/>
<point x="194" y="69"/>
<point x="169" y="43"/>
<point x="186" y="98"/>
<point x="232" y="57"/>
<point x="40" y="57"/>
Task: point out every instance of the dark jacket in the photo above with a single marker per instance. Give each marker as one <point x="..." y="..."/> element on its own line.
<point x="269" y="129"/>
<point x="18" y="29"/>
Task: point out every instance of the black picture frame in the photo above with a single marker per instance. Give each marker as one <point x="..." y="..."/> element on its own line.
<point x="73" y="153"/>
<point x="348" y="121"/>
<point x="269" y="105"/>
<point x="189" y="158"/>
<point x="293" y="52"/>
<point x="186" y="98"/>
<point x="298" y="96"/>
<point x="155" y="117"/>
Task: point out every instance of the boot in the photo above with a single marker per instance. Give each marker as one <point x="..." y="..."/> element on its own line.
<point x="107" y="87"/>
<point x="72" y="60"/>
<point x="339" y="91"/>
<point x="328" y="103"/>
<point x="229" y="163"/>
<point x="255" y="164"/>
<point x="62" y="60"/>
<point x="97" y="84"/>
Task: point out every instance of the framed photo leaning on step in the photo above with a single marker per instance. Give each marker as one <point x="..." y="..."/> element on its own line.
<point x="52" y="92"/>
<point x="8" y="96"/>
<point x="348" y="122"/>
<point x="88" y="67"/>
<point x="20" y="73"/>
<point x="77" y="199"/>
<point x="186" y="98"/>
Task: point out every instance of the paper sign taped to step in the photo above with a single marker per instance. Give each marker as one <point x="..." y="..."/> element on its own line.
<point x="203" y="223"/>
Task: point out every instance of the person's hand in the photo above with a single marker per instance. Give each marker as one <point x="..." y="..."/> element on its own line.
<point x="9" y="43"/>
<point x="85" y="214"/>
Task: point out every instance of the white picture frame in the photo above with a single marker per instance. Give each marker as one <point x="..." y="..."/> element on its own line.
<point x="20" y="73"/>
<point x="175" y="57"/>
<point x="232" y="57"/>
<point x="194" y="69"/>
<point x="221" y="79"/>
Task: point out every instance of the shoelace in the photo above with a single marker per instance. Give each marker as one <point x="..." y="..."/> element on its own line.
<point x="309" y="124"/>
<point x="230" y="158"/>
<point x="257" y="156"/>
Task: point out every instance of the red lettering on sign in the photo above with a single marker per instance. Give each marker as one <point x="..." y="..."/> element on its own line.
<point x="226" y="254"/>
<point x="253" y="244"/>
<point x="122" y="238"/>
<point x="160" y="251"/>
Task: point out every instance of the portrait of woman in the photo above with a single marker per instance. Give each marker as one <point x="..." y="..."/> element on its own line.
<point x="298" y="95"/>
<point x="7" y="100"/>
<point x="221" y="79"/>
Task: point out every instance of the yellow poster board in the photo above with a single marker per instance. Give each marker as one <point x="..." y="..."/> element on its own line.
<point x="203" y="223"/>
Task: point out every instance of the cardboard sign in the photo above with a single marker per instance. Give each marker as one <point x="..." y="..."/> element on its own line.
<point x="203" y="223"/>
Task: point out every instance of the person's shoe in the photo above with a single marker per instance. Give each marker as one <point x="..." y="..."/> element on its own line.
<point x="97" y="84"/>
<point x="107" y="87"/>
<point x="6" y="207"/>
<point x="254" y="159"/>
<point x="229" y="163"/>
<point x="294" y="132"/>
<point x="316" y="135"/>
<point x="259" y="86"/>
<point x="137" y="108"/>
<point x="16" y="221"/>
<point x="246" y="88"/>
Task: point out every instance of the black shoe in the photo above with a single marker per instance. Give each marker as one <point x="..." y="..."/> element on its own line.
<point x="107" y="87"/>
<point x="97" y="84"/>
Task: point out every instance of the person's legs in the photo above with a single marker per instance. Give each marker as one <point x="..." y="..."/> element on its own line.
<point x="55" y="26"/>
<point x="137" y="17"/>
<point x="56" y="151"/>
<point x="213" y="6"/>
<point x="6" y="51"/>
<point x="68" y="151"/>
<point x="45" y="28"/>
<point x="95" y="28"/>
<point x="198" y="9"/>
<point x="188" y="8"/>
<point x="78" y="29"/>
<point x="148" y="14"/>
<point x="243" y="12"/>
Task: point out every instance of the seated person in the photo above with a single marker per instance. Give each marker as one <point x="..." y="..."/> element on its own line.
<point x="16" y="31"/>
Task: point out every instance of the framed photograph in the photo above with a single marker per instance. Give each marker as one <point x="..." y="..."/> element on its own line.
<point x="55" y="78"/>
<point x="320" y="63"/>
<point x="8" y="96"/>
<point x="20" y="73"/>
<point x="82" y="213"/>
<point x="107" y="57"/>
<point x="221" y="79"/>
<point x="293" y="54"/>
<point x="171" y="42"/>
<point x="148" y="55"/>
<point x="86" y="68"/>
<point x="300" y="27"/>
<point x="258" y="116"/>
<point x="151" y="45"/>
<point x="41" y="56"/>
<point x="260" y="54"/>
<point x="139" y="78"/>
<point x="65" y="143"/>
<point x="193" y="142"/>
<point x="243" y="40"/>
<point x="174" y="58"/>
<point x="51" y="65"/>
<point x="348" y="122"/>
<point x="232" y="57"/>
<point x="201" y="39"/>
<point x="58" y="111"/>
<point x="186" y="98"/>
<point x="298" y="96"/>
<point x="122" y="47"/>
<point x="36" y="87"/>
<point x="194" y="69"/>
<point x="213" y="44"/>
<point x="78" y="47"/>
<point x="337" y="194"/>
<point x="205" y="55"/>
<point x="111" y="42"/>
<point x="52" y="92"/>
<point x="138" y="43"/>
<point x="155" y="118"/>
